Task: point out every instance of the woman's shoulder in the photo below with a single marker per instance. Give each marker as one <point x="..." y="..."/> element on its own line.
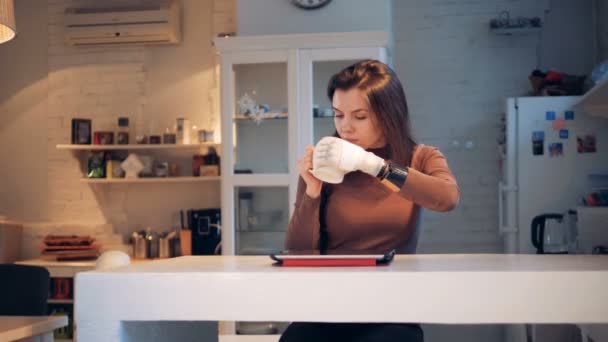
<point x="422" y="153"/>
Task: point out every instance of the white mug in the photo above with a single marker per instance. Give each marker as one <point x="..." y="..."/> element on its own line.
<point x="326" y="174"/>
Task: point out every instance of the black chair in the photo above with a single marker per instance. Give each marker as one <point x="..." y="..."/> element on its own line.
<point x="24" y="290"/>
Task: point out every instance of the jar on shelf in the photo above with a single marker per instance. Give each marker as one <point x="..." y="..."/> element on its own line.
<point x="122" y="136"/>
<point x="182" y="131"/>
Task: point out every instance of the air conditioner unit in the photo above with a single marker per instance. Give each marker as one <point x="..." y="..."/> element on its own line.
<point x="155" y="24"/>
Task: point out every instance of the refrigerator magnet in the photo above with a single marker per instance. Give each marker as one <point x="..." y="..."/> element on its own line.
<point x="585" y="143"/>
<point x="563" y="134"/>
<point x="550" y="115"/>
<point x="569" y="115"/>
<point x="559" y="124"/>
<point x="556" y="149"/>
<point x="538" y="143"/>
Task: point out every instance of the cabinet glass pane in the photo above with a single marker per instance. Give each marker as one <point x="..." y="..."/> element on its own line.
<point x="261" y="217"/>
<point x="322" y="111"/>
<point x="261" y="118"/>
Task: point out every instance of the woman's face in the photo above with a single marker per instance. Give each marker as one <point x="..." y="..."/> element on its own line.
<point x="354" y="120"/>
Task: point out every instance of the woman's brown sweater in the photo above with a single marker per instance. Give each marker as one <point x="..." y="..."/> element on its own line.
<point x="362" y="214"/>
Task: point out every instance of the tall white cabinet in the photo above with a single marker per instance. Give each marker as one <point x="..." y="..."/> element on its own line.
<point x="273" y="104"/>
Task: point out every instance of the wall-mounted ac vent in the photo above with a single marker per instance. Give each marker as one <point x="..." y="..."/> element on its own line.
<point x="158" y="24"/>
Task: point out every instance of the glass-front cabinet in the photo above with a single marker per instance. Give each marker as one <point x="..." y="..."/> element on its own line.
<point x="273" y="104"/>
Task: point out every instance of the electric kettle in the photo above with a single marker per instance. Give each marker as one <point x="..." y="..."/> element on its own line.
<point x="552" y="233"/>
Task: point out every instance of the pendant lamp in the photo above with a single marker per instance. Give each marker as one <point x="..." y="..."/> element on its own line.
<point x="8" y="30"/>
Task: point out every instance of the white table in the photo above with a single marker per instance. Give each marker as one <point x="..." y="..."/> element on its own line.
<point x="60" y="269"/>
<point x="30" y="328"/>
<point x="448" y="289"/>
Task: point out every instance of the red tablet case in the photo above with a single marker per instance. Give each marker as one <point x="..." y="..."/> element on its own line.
<point x="328" y="262"/>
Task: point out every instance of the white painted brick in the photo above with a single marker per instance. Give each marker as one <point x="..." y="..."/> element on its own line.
<point x="456" y="75"/>
<point x="100" y="82"/>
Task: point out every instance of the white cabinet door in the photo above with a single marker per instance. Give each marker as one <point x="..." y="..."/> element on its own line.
<point x="594" y="332"/>
<point x="255" y="150"/>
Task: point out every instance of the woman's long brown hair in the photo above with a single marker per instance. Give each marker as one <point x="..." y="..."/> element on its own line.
<point x="387" y="100"/>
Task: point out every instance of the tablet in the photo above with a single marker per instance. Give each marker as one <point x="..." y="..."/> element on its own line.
<point x="315" y="259"/>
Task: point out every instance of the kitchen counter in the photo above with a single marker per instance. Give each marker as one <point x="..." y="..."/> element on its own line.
<point x="30" y="328"/>
<point x="448" y="289"/>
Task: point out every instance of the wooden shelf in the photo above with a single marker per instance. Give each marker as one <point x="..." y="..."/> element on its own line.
<point x="134" y="147"/>
<point x="515" y="31"/>
<point x="595" y="101"/>
<point x="152" y="180"/>
<point x="60" y="301"/>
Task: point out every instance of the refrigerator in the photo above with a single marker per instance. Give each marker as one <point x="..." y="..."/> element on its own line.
<point x="551" y="153"/>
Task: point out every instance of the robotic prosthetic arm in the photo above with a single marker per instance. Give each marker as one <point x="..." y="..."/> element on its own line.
<point x="334" y="157"/>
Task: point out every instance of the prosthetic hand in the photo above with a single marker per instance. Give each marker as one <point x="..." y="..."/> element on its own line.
<point x="334" y="157"/>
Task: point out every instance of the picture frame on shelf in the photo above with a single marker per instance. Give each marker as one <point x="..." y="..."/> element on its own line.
<point x="81" y="131"/>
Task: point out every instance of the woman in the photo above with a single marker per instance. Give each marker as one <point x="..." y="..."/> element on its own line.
<point x="387" y="178"/>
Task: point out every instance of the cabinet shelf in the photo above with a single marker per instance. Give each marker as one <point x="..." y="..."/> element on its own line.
<point x="60" y="301"/>
<point x="595" y="101"/>
<point x="267" y="179"/>
<point x="152" y="180"/>
<point x="261" y="231"/>
<point x="74" y="147"/>
<point x="265" y="116"/>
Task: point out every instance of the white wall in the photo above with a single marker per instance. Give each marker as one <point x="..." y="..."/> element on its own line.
<point x="153" y="85"/>
<point x="602" y="28"/>
<point x="261" y="17"/>
<point x="23" y="115"/>
<point x="457" y="75"/>
<point x="55" y="82"/>
<point x="566" y="42"/>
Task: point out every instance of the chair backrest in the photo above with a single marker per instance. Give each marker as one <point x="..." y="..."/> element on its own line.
<point x="412" y="244"/>
<point x="24" y="290"/>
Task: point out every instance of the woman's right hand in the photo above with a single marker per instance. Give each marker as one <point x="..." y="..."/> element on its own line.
<point x="313" y="185"/>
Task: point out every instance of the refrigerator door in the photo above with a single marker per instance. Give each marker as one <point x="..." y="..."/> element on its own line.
<point x="554" y="181"/>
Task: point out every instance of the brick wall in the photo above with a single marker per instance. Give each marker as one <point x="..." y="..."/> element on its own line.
<point x="152" y="85"/>
<point x="602" y="29"/>
<point x="457" y="75"/>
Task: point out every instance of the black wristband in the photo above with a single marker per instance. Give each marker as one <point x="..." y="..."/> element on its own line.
<point x="394" y="174"/>
<point x="383" y="171"/>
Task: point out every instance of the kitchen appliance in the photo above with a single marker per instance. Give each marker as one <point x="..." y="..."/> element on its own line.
<point x="536" y="180"/>
<point x="554" y="233"/>
<point x="168" y="245"/>
<point x="140" y="247"/>
<point x="164" y="247"/>
<point x="205" y="226"/>
<point x="152" y="243"/>
<point x="551" y="149"/>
